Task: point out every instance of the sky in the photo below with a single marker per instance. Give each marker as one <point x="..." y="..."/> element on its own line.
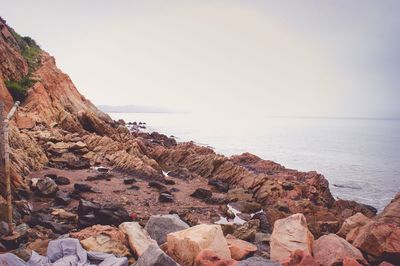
<point x="291" y="58"/>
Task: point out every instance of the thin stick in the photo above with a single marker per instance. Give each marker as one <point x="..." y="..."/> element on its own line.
<point x="7" y="167"/>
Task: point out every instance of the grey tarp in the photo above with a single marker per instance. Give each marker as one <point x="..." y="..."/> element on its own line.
<point x="65" y="252"/>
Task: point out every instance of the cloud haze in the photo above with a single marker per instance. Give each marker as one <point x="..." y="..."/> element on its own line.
<point x="334" y="58"/>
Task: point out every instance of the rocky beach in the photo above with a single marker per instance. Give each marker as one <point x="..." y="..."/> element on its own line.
<point x="88" y="189"/>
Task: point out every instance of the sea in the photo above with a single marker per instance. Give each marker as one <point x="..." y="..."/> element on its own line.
<point x="359" y="157"/>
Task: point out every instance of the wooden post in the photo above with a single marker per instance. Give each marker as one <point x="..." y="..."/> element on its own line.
<point x="7" y="166"/>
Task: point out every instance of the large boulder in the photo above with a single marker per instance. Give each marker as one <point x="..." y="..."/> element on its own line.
<point x="381" y="240"/>
<point x="357" y="220"/>
<point x="330" y="250"/>
<point x="139" y="240"/>
<point x="159" y="226"/>
<point x="290" y="234"/>
<point x="156" y="257"/>
<point x="380" y="237"/>
<point x="184" y="246"/>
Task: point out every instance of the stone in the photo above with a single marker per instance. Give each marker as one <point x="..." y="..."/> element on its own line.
<point x="157" y="185"/>
<point x="46" y="187"/>
<point x="60" y="180"/>
<point x="156" y="257"/>
<point x="201" y="193"/>
<point x="139" y="240"/>
<point x="258" y="261"/>
<point x="64" y="215"/>
<point x="4" y="228"/>
<point x="129" y="180"/>
<point x="159" y="226"/>
<point x="208" y="257"/>
<point x="104" y="243"/>
<point x="246" y="206"/>
<point x="240" y="249"/>
<point x="331" y="250"/>
<point x="357" y="220"/>
<point x="165" y="197"/>
<point x="265" y="226"/>
<point x="184" y="246"/>
<point x="86" y="207"/>
<point x="247" y="231"/>
<point x="62" y="198"/>
<point x="82" y="187"/>
<point x="220" y="185"/>
<point x="290" y="234"/>
<point x="379" y="239"/>
<point x="112" y="214"/>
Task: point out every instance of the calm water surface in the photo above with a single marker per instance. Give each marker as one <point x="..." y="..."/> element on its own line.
<point x="359" y="157"/>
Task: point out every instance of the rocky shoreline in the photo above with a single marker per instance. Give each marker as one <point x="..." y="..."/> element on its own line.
<point x="85" y="181"/>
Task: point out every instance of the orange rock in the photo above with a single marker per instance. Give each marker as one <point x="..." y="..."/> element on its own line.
<point x="290" y="234"/>
<point x="209" y="258"/>
<point x="299" y="258"/>
<point x="240" y="249"/>
<point x="331" y="250"/>
<point x="350" y="262"/>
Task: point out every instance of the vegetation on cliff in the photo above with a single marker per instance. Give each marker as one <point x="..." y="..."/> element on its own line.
<point x="31" y="52"/>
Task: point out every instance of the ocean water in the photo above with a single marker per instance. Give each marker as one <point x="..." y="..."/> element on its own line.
<point x="359" y="157"/>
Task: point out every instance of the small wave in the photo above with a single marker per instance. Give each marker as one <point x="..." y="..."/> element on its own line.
<point x="347" y="186"/>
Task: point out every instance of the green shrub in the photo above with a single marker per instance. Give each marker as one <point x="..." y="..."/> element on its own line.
<point x="18" y="89"/>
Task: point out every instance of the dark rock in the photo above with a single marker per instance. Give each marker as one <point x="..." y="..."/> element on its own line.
<point x="182" y="173"/>
<point x="202" y="193"/>
<point x="75" y="194"/>
<point x="102" y="169"/>
<point x="101" y="176"/>
<point x="157" y="185"/>
<point x="23" y="207"/>
<point x="62" y="198"/>
<point x="134" y="187"/>
<point x="87" y="220"/>
<point x="265" y="226"/>
<point x="86" y="207"/>
<point x="219" y="185"/>
<point x="216" y="200"/>
<point x="18" y="236"/>
<point x="169" y="182"/>
<point x="288" y="186"/>
<point x="159" y="226"/>
<point x="155" y="256"/>
<point x="60" y="180"/>
<point x="81" y="187"/>
<point x="46" y="187"/>
<point x="112" y="214"/>
<point x="165" y="197"/>
<point x="282" y="206"/>
<point x="174" y="189"/>
<point x="4" y="229"/>
<point x="129" y="180"/>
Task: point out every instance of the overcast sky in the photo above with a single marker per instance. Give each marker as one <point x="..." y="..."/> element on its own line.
<point x="319" y="58"/>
